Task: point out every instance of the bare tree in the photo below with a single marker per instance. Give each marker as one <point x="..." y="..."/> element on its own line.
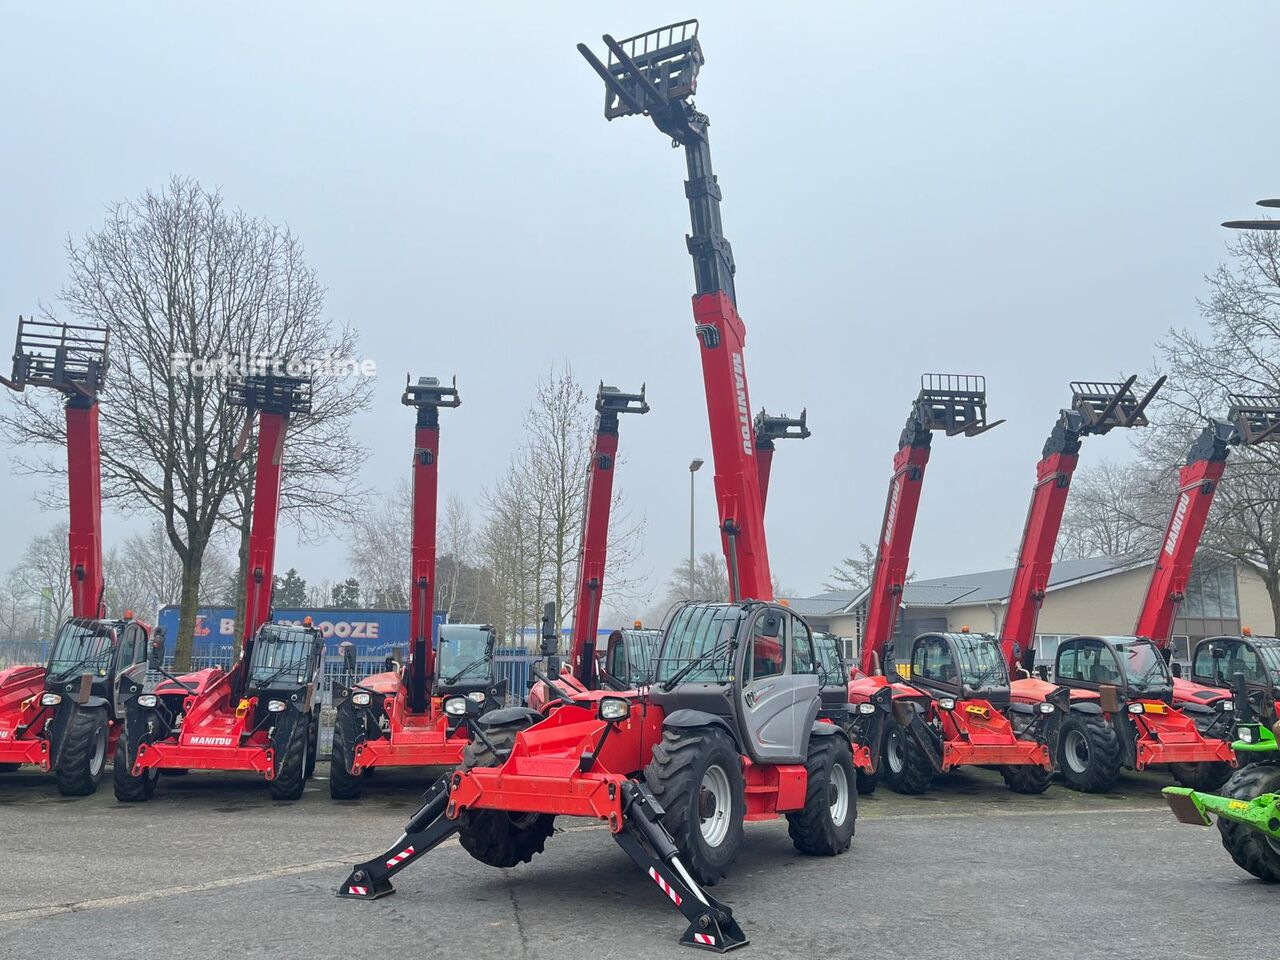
<point x="1116" y="510"/>
<point x="180" y="280"/>
<point x="45" y="575"/>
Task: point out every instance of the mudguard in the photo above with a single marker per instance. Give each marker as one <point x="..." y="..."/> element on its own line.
<point x="693" y="719"/>
<point x="1093" y="709"/>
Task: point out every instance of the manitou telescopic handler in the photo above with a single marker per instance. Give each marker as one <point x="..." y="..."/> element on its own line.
<point x="950" y="695"/>
<point x="394" y="718"/>
<point x="729" y="729"/>
<point x="66" y="717"/>
<point x="1121" y="689"/>
<point x="1206" y="697"/>
<point x="262" y="715"/>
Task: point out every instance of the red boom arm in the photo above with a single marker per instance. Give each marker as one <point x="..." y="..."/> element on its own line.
<point x="953" y="404"/>
<point x="262" y="529"/>
<point x="84" y="487"/>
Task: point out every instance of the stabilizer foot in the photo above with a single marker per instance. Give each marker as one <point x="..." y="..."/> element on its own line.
<point x="426" y="830"/>
<point x="647" y="843"/>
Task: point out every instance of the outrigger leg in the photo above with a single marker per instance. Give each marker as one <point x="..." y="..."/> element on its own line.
<point x="1191" y="806"/>
<point x="646" y="841"/>
<point x="426" y="830"/>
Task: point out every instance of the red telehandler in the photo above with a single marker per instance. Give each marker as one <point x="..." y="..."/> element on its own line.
<point x="65" y="717"/>
<point x="1207" y="698"/>
<point x="580" y="670"/>
<point x="1120" y="687"/>
<point x="728" y="731"/>
<point x="394" y="718"/>
<point x="950" y="695"/>
<point x="263" y="714"/>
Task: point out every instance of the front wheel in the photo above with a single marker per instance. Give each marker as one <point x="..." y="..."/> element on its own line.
<point x="1089" y="754"/>
<point x="1205" y="777"/>
<point x="83" y="757"/>
<point x="1252" y="850"/>
<point x="343" y="784"/>
<point x="1025" y="778"/>
<point x="824" y="826"/>
<point x="291" y="762"/>
<point x="8" y="767"/>
<point x="498" y="837"/>
<point x="128" y="788"/>
<point x="905" y="767"/>
<point x="697" y="777"/>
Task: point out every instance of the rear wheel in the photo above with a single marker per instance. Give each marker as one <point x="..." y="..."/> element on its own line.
<point x="343" y="784"/>
<point x="291" y="762"/>
<point x="1201" y="776"/>
<point x="498" y="837"/>
<point x="1253" y="851"/>
<point x="867" y="782"/>
<point x="1025" y="778"/>
<point x="1088" y="754"/>
<point x="824" y="826"/>
<point x="83" y="757"/>
<point x="905" y="767"/>
<point x="128" y="788"/>
<point x="697" y="777"/>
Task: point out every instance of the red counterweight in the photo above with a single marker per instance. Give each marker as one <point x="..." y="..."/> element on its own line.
<point x="610" y="402"/>
<point x="428" y="396"/>
<point x="954" y="404"/>
<point x="1252" y="420"/>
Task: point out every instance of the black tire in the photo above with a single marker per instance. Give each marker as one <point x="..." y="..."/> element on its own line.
<point x="175" y="771"/>
<point x="497" y="837"/>
<point x="1088" y="754"/>
<point x="824" y="826"/>
<point x="1026" y="778"/>
<point x="1206" y="777"/>
<point x="904" y="766"/>
<point x="692" y="774"/>
<point x="291" y="763"/>
<point x="8" y="767"/>
<point x="314" y="746"/>
<point x="83" y="758"/>
<point x="127" y="787"/>
<point x="867" y="782"/>
<point x="343" y="785"/>
<point x="1252" y="851"/>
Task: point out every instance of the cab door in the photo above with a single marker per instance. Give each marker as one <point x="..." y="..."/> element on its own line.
<point x="777" y="705"/>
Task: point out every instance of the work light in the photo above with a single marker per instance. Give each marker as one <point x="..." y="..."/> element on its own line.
<point x="613" y="709"/>
<point x="50" y="699"/>
<point x="147" y="700"/>
<point x="456" y="706"/>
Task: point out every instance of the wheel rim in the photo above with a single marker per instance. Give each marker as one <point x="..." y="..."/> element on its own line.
<point x="715" y="803"/>
<point x="893" y="753"/>
<point x="839" y="795"/>
<point x="1076" y="751"/>
<point x="99" y="755"/>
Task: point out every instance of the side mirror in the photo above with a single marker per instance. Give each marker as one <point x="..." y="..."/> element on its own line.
<point x="347" y="651"/>
<point x="1109" y="698"/>
<point x="613" y="709"/>
<point x="1176" y="668"/>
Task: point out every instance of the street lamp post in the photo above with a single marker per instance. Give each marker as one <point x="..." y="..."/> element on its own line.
<point x="694" y="465"/>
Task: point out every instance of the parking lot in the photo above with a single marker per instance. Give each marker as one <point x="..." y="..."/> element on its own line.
<point x="212" y="868"/>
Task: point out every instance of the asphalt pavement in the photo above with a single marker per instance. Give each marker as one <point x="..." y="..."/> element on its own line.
<point x="212" y="868"/>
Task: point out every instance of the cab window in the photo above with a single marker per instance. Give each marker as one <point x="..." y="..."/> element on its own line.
<point x="616" y="665"/>
<point x="768" y="645"/>
<point x="1089" y="661"/>
<point x="1235" y="657"/>
<point x="804" y="658"/>
<point x="931" y="660"/>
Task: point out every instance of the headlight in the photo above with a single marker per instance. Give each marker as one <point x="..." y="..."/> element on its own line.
<point x="50" y="699"/>
<point x="614" y="708"/>
<point x="1047" y="707"/>
<point x="1136" y="708"/>
<point x="946" y="703"/>
<point x="276" y="706"/>
<point x="456" y="706"/>
<point x="867" y="708"/>
<point x="1245" y="734"/>
<point x="147" y="700"/>
<point x="1228" y="705"/>
<point x="476" y="695"/>
<point x="361" y="699"/>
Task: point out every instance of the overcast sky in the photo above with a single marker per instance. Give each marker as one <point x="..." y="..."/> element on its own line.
<point x="1025" y="191"/>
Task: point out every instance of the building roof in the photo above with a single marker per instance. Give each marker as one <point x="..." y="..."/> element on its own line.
<point x="985" y="586"/>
